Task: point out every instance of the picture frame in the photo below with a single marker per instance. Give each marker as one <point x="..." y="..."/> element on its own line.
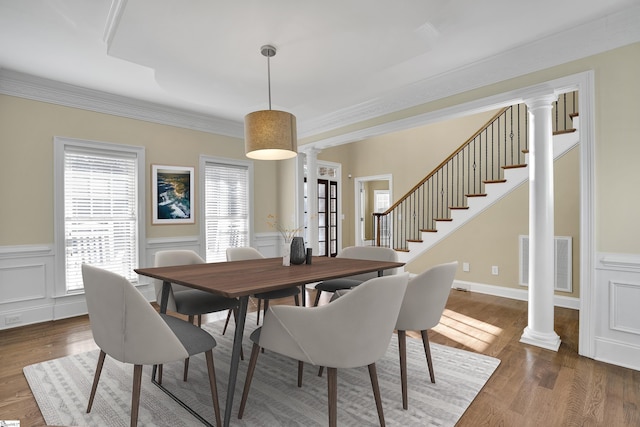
<point x="172" y="194"/>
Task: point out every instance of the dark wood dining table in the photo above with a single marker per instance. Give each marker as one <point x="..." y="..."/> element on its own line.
<point x="240" y="279"/>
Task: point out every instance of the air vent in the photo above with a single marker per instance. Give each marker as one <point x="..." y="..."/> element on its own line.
<point x="563" y="262"/>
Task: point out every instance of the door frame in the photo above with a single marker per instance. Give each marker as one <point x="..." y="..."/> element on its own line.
<point x="359" y="210"/>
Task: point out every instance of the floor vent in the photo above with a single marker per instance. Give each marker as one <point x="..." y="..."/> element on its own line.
<point x="563" y="265"/>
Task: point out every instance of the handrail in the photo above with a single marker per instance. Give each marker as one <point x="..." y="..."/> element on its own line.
<point x="501" y="143"/>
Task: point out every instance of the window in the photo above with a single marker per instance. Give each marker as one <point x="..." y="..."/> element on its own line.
<point x="227" y="205"/>
<point x="99" y="209"/>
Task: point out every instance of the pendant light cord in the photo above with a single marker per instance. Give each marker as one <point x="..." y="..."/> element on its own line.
<point x="269" y="77"/>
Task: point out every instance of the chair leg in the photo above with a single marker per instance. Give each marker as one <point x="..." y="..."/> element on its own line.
<point x="255" y="351"/>
<point x="320" y="370"/>
<point x="186" y="369"/>
<point x="402" y="347"/>
<point x="160" y="374"/>
<point x="96" y="378"/>
<point x="226" y="323"/>
<point x="135" y="394"/>
<point x="373" y="373"/>
<point x="296" y="299"/>
<point x="317" y="299"/>
<point x="191" y="319"/>
<point x="427" y="352"/>
<point x="214" y="388"/>
<point x="199" y="320"/>
<point x="258" y="311"/>
<point x="332" y="386"/>
<point x="300" y="372"/>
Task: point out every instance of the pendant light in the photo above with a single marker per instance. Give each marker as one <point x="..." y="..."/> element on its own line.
<point x="270" y="134"/>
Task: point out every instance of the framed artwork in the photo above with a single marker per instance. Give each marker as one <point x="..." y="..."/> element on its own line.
<point x="172" y="195"/>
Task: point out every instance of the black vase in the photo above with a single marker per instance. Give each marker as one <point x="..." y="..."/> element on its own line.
<point x="298" y="255"/>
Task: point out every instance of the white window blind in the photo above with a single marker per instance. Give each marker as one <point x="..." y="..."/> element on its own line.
<point x="100" y="213"/>
<point x="227" y="207"/>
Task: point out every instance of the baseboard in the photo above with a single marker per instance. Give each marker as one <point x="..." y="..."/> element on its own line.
<point x="617" y="353"/>
<point x="513" y="293"/>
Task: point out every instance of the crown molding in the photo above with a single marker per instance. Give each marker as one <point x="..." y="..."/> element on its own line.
<point x="40" y="89"/>
<point x="596" y="37"/>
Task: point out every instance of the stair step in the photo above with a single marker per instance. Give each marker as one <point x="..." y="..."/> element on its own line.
<point x="401" y="249"/>
<point x="477" y="195"/>
<point x="415" y="240"/>
<point x="514" y="166"/>
<point x="495" y="181"/>
<point x="443" y="219"/>
<point x="429" y="230"/>
<point x="458" y="207"/>
<point x="574" y="115"/>
<point x="562" y="132"/>
<point x="525" y="151"/>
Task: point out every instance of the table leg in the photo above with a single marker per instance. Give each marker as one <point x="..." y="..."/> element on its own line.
<point x="164" y="300"/>
<point x="235" y="358"/>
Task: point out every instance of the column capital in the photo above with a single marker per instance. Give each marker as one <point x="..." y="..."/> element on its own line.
<point x="309" y="151"/>
<point x="540" y="99"/>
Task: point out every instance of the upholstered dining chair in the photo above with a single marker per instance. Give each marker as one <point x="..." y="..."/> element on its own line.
<point x="188" y="301"/>
<point x="422" y="307"/>
<point x="353" y="331"/>
<point x="247" y="252"/>
<point x="374" y="253"/>
<point x="127" y="328"/>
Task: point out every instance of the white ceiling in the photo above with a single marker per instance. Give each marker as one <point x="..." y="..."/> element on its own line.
<point x="338" y="61"/>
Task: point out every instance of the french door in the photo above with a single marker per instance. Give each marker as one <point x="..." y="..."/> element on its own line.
<point x="327" y="217"/>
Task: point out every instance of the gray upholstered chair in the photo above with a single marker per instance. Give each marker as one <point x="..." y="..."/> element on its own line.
<point x="350" y="332"/>
<point x="374" y="253"/>
<point x="127" y="328"/>
<point x="422" y="308"/>
<point x="188" y="301"/>
<point x="247" y="252"/>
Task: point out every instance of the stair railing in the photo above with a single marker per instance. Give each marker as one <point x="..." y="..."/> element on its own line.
<point x="500" y="144"/>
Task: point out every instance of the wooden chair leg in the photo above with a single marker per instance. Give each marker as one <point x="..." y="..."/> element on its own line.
<point x="96" y="378"/>
<point x="135" y="394"/>
<point x="191" y="319"/>
<point x="199" y="320"/>
<point x="373" y="373"/>
<point x="296" y="299"/>
<point x="317" y="298"/>
<point x="332" y="387"/>
<point x="255" y="351"/>
<point x="160" y="374"/>
<point x="320" y="370"/>
<point x="427" y="352"/>
<point x="214" y="388"/>
<point x="402" y="347"/>
<point x="300" y="372"/>
<point x="186" y="369"/>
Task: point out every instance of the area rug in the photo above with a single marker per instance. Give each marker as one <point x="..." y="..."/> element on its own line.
<point x="61" y="388"/>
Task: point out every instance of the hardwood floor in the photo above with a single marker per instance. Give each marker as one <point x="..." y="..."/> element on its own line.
<point x="531" y="387"/>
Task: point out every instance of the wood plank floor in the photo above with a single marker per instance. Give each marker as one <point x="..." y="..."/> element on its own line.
<point x="531" y="387"/>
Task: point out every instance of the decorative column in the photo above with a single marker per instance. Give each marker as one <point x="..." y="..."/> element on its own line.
<point x="539" y="331"/>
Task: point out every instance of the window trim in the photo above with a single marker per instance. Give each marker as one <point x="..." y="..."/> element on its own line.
<point x="204" y="159"/>
<point x="59" y="146"/>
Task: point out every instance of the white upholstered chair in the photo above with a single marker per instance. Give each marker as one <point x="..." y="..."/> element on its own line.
<point x="350" y="332"/>
<point x="188" y="301"/>
<point x="127" y="328"/>
<point x="375" y="253"/>
<point x="422" y="308"/>
<point x="247" y="252"/>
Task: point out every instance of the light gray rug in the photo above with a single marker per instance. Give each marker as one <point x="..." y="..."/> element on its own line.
<point x="62" y="386"/>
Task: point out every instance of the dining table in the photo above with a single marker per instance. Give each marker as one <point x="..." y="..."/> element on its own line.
<point x="241" y="279"/>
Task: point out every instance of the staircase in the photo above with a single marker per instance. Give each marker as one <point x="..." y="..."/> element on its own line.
<point x="487" y="167"/>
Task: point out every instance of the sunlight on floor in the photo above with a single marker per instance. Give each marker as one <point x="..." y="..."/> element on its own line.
<point x="468" y="331"/>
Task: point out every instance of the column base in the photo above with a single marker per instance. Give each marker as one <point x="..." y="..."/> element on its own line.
<point x="549" y="341"/>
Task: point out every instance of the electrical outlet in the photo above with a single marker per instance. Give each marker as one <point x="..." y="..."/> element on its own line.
<point x="12" y="320"/>
<point x="465" y="267"/>
<point x="494" y="270"/>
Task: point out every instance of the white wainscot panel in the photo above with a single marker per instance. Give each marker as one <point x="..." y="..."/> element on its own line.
<point x="22" y="283"/>
<point x="624" y="313"/>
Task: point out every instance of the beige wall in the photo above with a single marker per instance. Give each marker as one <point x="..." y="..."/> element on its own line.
<point x="27" y="129"/>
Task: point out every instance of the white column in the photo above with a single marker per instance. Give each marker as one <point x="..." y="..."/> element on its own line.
<point x="312" y="197"/>
<point x="539" y="331"/>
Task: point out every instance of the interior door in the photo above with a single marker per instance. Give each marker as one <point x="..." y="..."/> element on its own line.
<point x="327" y="217"/>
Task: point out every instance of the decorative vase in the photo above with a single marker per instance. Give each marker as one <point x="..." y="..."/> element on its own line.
<point x="286" y="254"/>
<point x="298" y="255"/>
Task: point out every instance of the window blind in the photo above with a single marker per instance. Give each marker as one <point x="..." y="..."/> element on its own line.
<point x="100" y="213"/>
<point x="226" y="208"/>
